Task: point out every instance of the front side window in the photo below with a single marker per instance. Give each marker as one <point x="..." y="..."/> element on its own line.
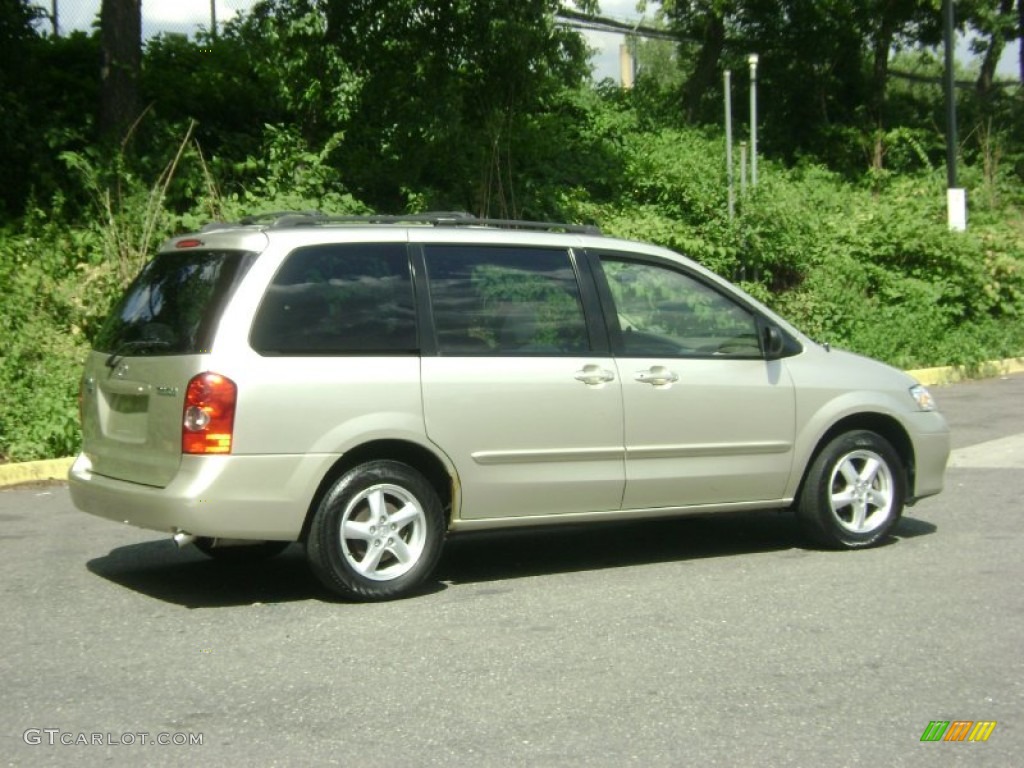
<point x="664" y="312"/>
<point x="339" y="299"/>
<point x="173" y="306"/>
<point x="492" y="300"/>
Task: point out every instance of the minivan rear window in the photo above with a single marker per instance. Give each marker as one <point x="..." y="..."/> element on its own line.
<point x="173" y="306"/>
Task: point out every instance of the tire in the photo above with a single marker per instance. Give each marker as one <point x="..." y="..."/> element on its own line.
<point x="853" y="493"/>
<point x="241" y="553"/>
<point x="346" y="547"/>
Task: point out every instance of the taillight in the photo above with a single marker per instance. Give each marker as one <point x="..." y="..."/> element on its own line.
<point x="209" y="415"/>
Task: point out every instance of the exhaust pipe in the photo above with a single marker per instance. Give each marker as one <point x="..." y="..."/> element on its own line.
<point x="183" y="539"/>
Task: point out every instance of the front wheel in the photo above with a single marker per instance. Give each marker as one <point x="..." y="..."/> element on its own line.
<point x="854" y="492"/>
<point x="378" y="532"/>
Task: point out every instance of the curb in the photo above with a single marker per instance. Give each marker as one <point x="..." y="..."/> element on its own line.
<point x="34" y="471"/>
<point x="57" y="469"/>
<point x="932" y="377"/>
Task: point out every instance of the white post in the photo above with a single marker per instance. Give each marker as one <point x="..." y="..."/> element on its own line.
<point x="956" y="208"/>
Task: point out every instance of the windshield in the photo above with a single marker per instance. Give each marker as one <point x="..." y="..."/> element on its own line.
<point x="173" y="306"/>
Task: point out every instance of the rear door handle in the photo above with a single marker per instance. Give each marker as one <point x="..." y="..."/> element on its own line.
<point x="657" y="376"/>
<point x="594" y="375"/>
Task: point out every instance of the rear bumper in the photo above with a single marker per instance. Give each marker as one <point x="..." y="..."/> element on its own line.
<point x="240" y="497"/>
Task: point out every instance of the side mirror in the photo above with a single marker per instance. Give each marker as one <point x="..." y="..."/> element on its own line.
<point x="772" y="342"/>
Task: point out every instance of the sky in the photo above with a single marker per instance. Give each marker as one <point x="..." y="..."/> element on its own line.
<point x="186" y="16"/>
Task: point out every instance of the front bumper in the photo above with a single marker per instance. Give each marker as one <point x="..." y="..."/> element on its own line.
<point x="929" y="433"/>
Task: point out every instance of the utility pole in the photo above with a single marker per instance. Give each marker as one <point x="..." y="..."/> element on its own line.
<point x="956" y="198"/>
<point x="752" y="60"/>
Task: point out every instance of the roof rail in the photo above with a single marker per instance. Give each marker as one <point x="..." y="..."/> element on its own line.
<point x="536" y="226"/>
<point x="285" y="219"/>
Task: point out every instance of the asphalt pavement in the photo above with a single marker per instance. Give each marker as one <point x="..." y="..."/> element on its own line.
<point x="714" y="641"/>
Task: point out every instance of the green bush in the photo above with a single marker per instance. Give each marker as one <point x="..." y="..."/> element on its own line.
<point x="869" y="266"/>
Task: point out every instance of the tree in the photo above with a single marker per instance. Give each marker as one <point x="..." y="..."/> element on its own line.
<point x="707" y="24"/>
<point x="889" y="23"/>
<point x="121" y="40"/>
<point x="18" y="43"/>
<point x="443" y="90"/>
<point x="825" y="64"/>
<point x="998" y="22"/>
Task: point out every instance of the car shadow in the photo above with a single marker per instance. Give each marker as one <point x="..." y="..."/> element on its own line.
<point x="493" y="556"/>
<point x="912" y="527"/>
<point x="188" y="578"/>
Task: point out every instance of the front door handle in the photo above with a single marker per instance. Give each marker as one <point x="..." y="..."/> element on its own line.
<point x="594" y="375"/>
<point x="657" y="376"/>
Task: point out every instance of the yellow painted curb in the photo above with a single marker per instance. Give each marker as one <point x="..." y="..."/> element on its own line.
<point x="34" y="471"/>
<point x="951" y="374"/>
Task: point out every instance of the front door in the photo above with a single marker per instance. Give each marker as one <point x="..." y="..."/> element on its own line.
<point x="707" y="419"/>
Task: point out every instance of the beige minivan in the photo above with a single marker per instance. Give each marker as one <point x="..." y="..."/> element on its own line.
<point x="369" y="385"/>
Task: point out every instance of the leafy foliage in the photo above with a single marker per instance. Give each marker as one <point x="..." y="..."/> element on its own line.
<point x="398" y="105"/>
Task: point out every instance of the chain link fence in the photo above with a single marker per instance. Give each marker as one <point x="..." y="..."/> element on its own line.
<point x="183" y="17"/>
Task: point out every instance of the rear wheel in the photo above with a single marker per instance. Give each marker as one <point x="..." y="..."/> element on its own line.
<point x="378" y="532"/>
<point x="854" y="492"/>
<point x="240" y="553"/>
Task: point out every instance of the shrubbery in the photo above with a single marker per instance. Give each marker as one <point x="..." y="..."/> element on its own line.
<point x="863" y="262"/>
<point x="873" y="270"/>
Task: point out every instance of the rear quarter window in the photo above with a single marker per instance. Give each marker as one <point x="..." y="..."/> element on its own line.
<point x="351" y="298"/>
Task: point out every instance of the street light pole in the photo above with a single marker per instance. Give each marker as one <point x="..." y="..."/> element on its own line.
<point x="752" y="60"/>
<point x="728" y="142"/>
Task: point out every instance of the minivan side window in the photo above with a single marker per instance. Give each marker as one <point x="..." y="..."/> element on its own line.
<point x="339" y="299"/>
<point x="665" y="312"/>
<point x="509" y="301"/>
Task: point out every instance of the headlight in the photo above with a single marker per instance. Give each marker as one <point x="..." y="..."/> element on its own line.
<point x="922" y="397"/>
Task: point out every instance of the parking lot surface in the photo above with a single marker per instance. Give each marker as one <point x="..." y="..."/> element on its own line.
<point x="701" y="641"/>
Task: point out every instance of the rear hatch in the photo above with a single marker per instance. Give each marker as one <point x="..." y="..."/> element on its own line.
<point x="149" y="348"/>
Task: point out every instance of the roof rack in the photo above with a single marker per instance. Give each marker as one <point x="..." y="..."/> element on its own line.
<point x="285" y="219"/>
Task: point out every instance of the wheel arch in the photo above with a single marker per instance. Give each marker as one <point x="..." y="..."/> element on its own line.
<point x="881" y="424"/>
<point x="422" y="459"/>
